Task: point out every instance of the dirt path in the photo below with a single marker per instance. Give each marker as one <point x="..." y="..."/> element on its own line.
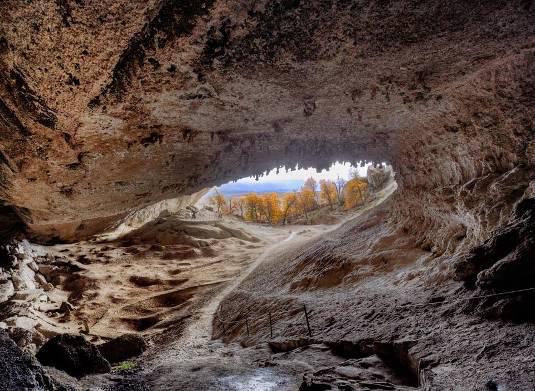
<point x="195" y="362"/>
<point x="200" y="331"/>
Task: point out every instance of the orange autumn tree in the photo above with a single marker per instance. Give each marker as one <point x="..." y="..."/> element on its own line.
<point x="252" y="207"/>
<point x="289" y="206"/>
<point x="328" y="193"/>
<point x="306" y="201"/>
<point x="271" y="208"/>
<point x="354" y="192"/>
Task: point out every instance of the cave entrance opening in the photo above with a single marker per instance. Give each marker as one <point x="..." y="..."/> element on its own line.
<point x="295" y="195"/>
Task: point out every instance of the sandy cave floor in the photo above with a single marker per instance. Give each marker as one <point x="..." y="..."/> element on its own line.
<point x="186" y="288"/>
<point x="165" y="281"/>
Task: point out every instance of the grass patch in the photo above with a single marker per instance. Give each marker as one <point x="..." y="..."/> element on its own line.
<point x="126" y="366"/>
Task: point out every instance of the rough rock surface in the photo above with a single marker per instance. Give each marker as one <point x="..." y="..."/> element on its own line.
<point x="121" y="348"/>
<point x="505" y="259"/>
<point x="74" y="355"/>
<point x="18" y="370"/>
<point x="379" y="176"/>
<point x="366" y="285"/>
<point x="196" y="93"/>
<point x="108" y="106"/>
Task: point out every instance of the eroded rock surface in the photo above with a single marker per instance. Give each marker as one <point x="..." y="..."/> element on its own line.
<point x="109" y="106"/>
<point x="19" y="371"/>
<point x="105" y="113"/>
<point x="74" y="355"/>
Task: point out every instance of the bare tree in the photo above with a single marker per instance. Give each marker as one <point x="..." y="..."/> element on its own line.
<point x="340" y="184"/>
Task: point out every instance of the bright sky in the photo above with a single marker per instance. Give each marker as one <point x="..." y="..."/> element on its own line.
<point x="337" y="169"/>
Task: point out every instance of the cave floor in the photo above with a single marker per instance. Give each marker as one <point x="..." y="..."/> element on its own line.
<point x="189" y="359"/>
<point x="180" y="284"/>
<point x="166" y="281"/>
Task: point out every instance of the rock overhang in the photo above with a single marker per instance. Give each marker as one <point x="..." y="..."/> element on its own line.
<point x="163" y="99"/>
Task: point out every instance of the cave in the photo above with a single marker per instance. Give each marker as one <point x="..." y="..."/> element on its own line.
<point x="117" y="116"/>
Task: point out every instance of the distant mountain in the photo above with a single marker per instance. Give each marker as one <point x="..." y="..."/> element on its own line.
<point x="238" y="188"/>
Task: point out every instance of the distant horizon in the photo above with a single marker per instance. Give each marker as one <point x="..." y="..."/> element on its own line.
<point x="288" y="180"/>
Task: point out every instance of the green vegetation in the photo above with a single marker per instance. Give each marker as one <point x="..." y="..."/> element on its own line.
<point x="126" y="366"/>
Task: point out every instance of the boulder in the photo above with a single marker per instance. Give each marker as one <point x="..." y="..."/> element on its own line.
<point x="33" y="266"/>
<point x="6" y="291"/>
<point x="21" y="336"/>
<point x="74" y="355"/>
<point x="18" y="371"/>
<point x="122" y="348"/>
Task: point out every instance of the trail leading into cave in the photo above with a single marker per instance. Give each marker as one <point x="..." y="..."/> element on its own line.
<point x="228" y="366"/>
<point x="192" y="360"/>
<point x="200" y="331"/>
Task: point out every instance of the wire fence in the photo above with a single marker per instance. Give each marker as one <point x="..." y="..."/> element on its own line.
<point x="243" y="319"/>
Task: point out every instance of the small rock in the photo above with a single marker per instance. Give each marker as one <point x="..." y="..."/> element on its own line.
<point x="122" y="348"/>
<point x="32" y="265"/>
<point x="27" y="275"/>
<point x="22" y="337"/>
<point x="6" y="291"/>
<point x="41" y="280"/>
<point x="18" y="283"/>
<point x="74" y="355"/>
<point x="30" y="295"/>
<point x="47" y="270"/>
<point x="21" y="321"/>
<point x="66" y="307"/>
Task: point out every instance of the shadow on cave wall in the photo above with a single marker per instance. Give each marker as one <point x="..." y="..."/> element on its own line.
<point x="504" y="263"/>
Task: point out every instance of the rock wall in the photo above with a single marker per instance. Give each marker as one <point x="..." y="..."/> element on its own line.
<point x="379" y="176"/>
<point x="19" y="371"/>
<point x="112" y="105"/>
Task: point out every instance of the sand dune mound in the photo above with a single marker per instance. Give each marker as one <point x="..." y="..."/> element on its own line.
<point x="171" y="230"/>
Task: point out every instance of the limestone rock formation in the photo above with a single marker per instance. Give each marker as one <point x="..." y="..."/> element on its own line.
<point x="110" y="108"/>
<point x="19" y="371"/>
<point x="378" y="176"/>
<point x="74" y="355"/>
<point x="122" y="348"/>
<point x="102" y="114"/>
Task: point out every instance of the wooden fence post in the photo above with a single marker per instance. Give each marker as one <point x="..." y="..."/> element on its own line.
<point x="308" y="323"/>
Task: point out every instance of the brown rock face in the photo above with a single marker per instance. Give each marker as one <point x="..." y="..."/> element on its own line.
<point x="110" y="105"/>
